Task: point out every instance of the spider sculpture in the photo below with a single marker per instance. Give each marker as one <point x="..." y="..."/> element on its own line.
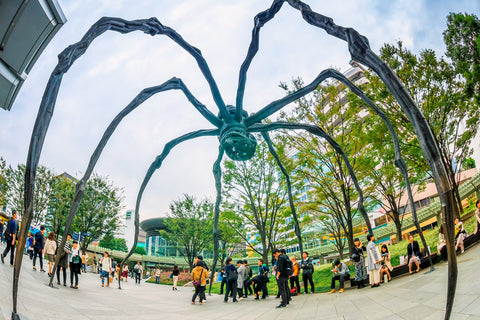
<point x="234" y="126"/>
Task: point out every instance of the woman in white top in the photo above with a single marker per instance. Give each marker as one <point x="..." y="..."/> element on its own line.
<point x="50" y="249"/>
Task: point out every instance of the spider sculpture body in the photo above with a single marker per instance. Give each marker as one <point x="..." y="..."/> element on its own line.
<point x="234" y="126"/>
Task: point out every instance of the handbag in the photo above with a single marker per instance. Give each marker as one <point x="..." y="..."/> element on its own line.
<point x="199" y="281"/>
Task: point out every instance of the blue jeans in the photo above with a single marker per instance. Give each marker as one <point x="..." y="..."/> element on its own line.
<point x="107" y="275"/>
<point x="157" y="280"/>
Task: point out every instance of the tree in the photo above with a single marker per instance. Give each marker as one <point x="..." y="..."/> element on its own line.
<point x="256" y="200"/>
<point x="332" y="196"/>
<point x="110" y="242"/>
<point x="3" y="183"/>
<point x="228" y="236"/>
<point x="140" y="250"/>
<point x="14" y="193"/>
<point x="62" y="190"/>
<point x="189" y="226"/>
<point x="438" y="90"/>
<point x="462" y="39"/>
<point x="98" y="213"/>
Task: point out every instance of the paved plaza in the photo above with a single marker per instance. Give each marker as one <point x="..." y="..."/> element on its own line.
<point x="420" y="296"/>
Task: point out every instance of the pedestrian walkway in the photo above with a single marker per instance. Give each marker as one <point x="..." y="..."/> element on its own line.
<point x="419" y="296"/>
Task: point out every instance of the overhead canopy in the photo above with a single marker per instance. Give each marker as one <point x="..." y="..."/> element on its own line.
<point x="26" y="27"/>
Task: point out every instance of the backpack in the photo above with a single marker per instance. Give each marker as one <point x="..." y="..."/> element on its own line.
<point x="232" y="275"/>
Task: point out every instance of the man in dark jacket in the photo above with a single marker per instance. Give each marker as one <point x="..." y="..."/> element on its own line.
<point x="282" y="276"/>
<point x="38" y="248"/>
<point x="307" y="272"/>
<point x="260" y="281"/>
<point x="10" y="238"/>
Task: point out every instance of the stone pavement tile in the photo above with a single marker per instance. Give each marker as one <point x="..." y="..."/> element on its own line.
<point x="473" y="317"/>
<point x="370" y="309"/>
<point x="460" y="303"/>
<point x="473" y="308"/>
<point x="417" y="312"/>
<point x="396" y="305"/>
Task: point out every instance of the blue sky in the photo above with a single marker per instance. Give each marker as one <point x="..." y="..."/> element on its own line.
<point x="116" y="67"/>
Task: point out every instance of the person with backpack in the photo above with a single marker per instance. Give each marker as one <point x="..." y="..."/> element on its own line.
<point x="106" y="267"/>
<point x="75" y="265"/>
<point x="29" y="246"/>
<point x="282" y="275"/>
<point x="232" y="278"/>
<point x="138" y="272"/>
<point x="10" y="237"/>
<point x="199" y="280"/>
<point x="38" y="245"/>
<point x="247" y="279"/>
<point x="307" y="272"/>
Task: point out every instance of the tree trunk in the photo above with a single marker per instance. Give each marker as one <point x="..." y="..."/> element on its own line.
<point x="350" y="233"/>
<point x="398" y="226"/>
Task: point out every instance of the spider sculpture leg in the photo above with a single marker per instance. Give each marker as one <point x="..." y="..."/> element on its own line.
<point x="272" y="150"/>
<point x="47" y="106"/>
<point x="153" y="167"/>
<point x="145" y="94"/>
<point x="217" y="173"/>
<point x="360" y="51"/>
<point x="319" y="132"/>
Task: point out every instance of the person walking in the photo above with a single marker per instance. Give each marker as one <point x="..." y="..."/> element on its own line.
<point x="232" y="278"/>
<point x="138" y="272"/>
<point x="374" y="259"/>
<point x="125" y="272"/>
<point x="294" y="283"/>
<point x="63" y="262"/>
<point x="84" y="262"/>
<point x="50" y="249"/>
<point x="157" y="275"/>
<point x="106" y="267"/>
<point x="175" y="274"/>
<point x="199" y="279"/>
<point x="359" y="260"/>
<point x="29" y="245"/>
<point x="75" y="265"/>
<point x="307" y="272"/>
<point x="38" y="246"/>
<point x="10" y="238"/>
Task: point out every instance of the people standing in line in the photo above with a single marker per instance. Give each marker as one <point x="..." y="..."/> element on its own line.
<point x="75" y="265"/>
<point x="374" y="259"/>
<point x="247" y="280"/>
<point x="341" y="272"/>
<point x="38" y="246"/>
<point x="138" y="272"/>
<point x="477" y="217"/>
<point x="29" y="245"/>
<point x="232" y="278"/>
<point x="125" y="273"/>
<point x="50" y="249"/>
<point x="282" y="276"/>
<point x="157" y="275"/>
<point x="10" y="238"/>
<point x="442" y="244"/>
<point x="386" y="265"/>
<point x="175" y="274"/>
<point x="460" y="235"/>
<point x="64" y="259"/>
<point x="199" y="278"/>
<point x="261" y="280"/>
<point x="106" y="266"/>
<point x="307" y="272"/>
<point x="294" y="283"/>
<point x="240" y="277"/>
<point x="413" y="251"/>
<point x="359" y="260"/>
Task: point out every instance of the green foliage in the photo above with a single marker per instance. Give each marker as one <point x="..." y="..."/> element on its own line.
<point x="139" y="250"/>
<point x="62" y="192"/>
<point x="189" y="226"/>
<point x="468" y="163"/>
<point x="99" y="210"/>
<point x="462" y="39"/>
<point x="255" y="200"/>
<point x="119" y="244"/>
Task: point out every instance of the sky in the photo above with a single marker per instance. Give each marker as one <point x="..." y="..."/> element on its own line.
<point x="117" y="67"/>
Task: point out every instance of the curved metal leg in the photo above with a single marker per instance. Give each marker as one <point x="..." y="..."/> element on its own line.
<point x="298" y="233"/>
<point x="145" y="94"/>
<point x="153" y="167"/>
<point x="319" y="132"/>
<point x="217" y="173"/>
